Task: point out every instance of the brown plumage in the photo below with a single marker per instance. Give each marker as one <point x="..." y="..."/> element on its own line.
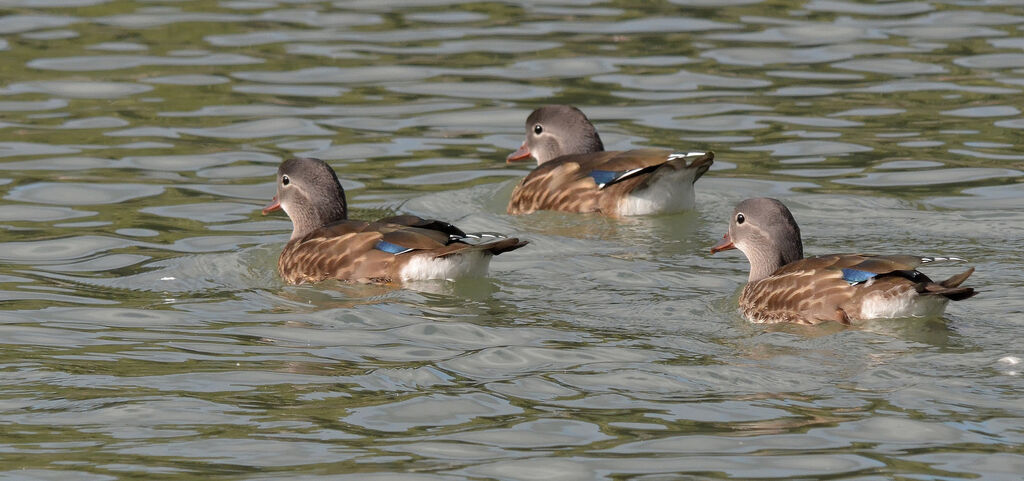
<point x="325" y="244"/>
<point x="783" y="286"/>
<point x="575" y="174"/>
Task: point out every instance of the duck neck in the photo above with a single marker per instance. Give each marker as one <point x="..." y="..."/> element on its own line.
<point x="310" y="216"/>
<point x="762" y="265"/>
<point x="764" y="262"/>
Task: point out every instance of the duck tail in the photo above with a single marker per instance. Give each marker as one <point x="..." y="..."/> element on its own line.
<point x="504" y="245"/>
<point x="699" y="165"/>
<point x="958" y="279"/>
<point x="493" y="248"/>
<point x="675" y="170"/>
<point x="950" y="288"/>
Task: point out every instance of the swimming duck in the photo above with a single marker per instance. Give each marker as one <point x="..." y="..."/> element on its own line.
<point x="326" y="244"/>
<point x="783" y="286"/>
<point x="575" y="174"/>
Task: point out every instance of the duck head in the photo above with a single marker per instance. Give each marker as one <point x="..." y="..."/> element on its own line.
<point x="309" y="193"/>
<point x="765" y="231"/>
<point x="556" y="130"/>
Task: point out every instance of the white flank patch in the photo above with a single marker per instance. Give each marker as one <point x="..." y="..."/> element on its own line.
<point x="470" y="264"/>
<point x="907" y="304"/>
<point x="671" y="193"/>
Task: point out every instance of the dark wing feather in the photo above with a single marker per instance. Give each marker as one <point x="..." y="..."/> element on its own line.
<point x="412" y="237"/>
<point x="862" y="262"/>
<point x="620" y="176"/>
<point x="616" y="161"/>
<point x="421" y="223"/>
<point x="884" y="264"/>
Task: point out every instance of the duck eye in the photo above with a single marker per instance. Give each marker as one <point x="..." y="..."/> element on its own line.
<point x="740" y="218"/>
<point x="284" y="180"/>
<point x="537" y="129"/>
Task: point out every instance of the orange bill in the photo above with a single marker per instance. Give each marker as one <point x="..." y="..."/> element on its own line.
<point x="723" y="245"/>
<point x="522" y="153"/>
<point x="274" y="205"/>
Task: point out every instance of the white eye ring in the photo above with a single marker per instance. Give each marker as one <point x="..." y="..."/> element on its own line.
<point x="740" y="218"/>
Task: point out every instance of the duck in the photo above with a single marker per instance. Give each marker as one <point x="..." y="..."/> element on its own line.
<point x="575" y="174"/>
<point x="784" y="286"/>
<point x="326" y="244"/>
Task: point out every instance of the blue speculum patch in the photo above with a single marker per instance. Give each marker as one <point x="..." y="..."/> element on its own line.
<point x="854" y="276"/>
<point x="602" y="177"/>
<point x="389" y="247"/>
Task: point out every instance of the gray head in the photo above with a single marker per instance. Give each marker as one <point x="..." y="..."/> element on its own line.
<point x="765" y="231"/>
<point x="309" y="192"/>
<point x="556" y="130"/>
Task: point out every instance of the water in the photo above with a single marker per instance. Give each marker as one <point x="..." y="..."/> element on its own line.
<point x="146" y="335"/>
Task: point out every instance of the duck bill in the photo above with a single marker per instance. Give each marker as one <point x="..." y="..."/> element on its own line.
<point x="723" y="245"/>
<point x="522" y="153"/>
<point x="274" y="205"/>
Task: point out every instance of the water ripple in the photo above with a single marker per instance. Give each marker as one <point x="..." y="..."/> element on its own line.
<point x="116" y="62"/>
<point x="149" y="335"/>
<point x="72" y="193"/>
<point x="59" y="250"/>
<point x="24" y="23"/>
<point x="429" y="411"/>
<point x="83" y="90"/>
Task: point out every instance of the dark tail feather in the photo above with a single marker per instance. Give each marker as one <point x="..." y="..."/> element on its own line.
<point x="494" y="248"/>
<point x="953" y="294"/>
<point x="701" y="164"/>
<point x="950" y="288"/>
<point x="676" y="163"/>
<point x="504" y="245"/>
<point x="958" y="279"/>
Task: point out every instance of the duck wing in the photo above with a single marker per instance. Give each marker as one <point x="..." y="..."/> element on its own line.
<point x="355" y="250"/>
<point x="421" y="223"/>
<point x="590" y="182"/>
<point x="846" y="288"/>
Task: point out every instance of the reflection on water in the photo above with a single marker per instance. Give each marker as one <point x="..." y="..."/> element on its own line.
<point x="145" y="331"/>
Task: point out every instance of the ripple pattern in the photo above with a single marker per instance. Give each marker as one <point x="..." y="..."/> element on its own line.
<point x="145" y="332"/>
